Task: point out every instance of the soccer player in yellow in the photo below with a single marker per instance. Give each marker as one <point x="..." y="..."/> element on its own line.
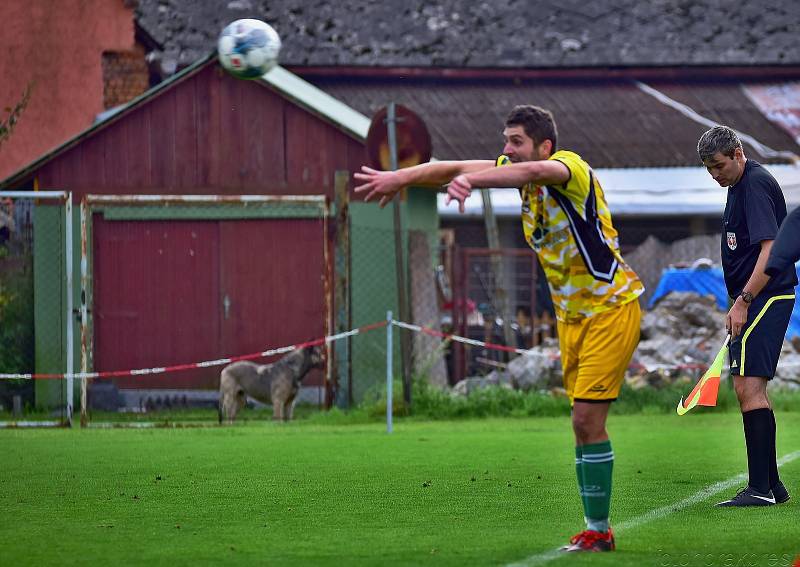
<point x="566" y="220"/>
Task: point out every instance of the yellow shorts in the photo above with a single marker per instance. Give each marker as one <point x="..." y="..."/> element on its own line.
<point x="596" y="351"/>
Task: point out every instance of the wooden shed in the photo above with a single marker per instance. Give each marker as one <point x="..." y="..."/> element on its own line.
<point x="175" y="283"/>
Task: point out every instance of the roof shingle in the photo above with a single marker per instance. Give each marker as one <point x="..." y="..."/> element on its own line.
<point x="502" y="33"/>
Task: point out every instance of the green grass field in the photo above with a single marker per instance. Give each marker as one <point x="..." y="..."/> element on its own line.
<point x="477" y="492"/>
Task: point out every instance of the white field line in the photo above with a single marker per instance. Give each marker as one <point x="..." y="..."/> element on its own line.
<point x="658" y="513"/>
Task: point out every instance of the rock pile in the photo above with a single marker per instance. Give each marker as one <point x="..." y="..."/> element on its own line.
<point x="679" y="338"/>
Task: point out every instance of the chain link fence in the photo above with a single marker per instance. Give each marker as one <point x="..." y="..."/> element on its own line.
<point x="33" y="301"/>
<point x="493" y="296"/>
<point x="167" y="275"/>
<point x="373" y="292"/>
<point x="500" y="297"/>
<point x="374" y="286"/>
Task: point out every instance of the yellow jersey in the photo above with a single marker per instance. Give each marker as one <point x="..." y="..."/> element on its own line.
<point x="569" y="227"/>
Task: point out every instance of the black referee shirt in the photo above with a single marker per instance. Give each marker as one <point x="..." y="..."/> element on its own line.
<point x="753" y="212"/>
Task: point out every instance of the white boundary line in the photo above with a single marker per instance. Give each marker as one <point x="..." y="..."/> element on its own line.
<point x="656" y="514"/>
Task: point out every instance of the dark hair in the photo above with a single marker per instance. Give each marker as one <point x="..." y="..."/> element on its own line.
<point x="719" y="139"/>
<point x="537" y="122"/>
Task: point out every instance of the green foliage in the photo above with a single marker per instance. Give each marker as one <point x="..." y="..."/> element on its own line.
<point x="7" y="124"/>
<point x="665" y="400"/>
<point x="432" y="403"/>
<point x="16" y="334"/>
<point x="16" y="321"/>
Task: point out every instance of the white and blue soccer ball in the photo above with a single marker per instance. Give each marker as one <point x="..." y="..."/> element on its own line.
<point x="248" y="48"/>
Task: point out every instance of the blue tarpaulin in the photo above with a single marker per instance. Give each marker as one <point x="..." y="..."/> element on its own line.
<point x="710" y="282"/>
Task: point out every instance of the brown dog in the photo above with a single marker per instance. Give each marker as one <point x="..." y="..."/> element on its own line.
<point x="276" y="383"/>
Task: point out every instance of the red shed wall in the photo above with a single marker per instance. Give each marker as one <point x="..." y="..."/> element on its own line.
<point x="208" y="134"/>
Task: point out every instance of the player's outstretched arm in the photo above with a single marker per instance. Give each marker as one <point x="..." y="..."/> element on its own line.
<point x="786" y="248"/>
<point x="544" y="172"/>
<point x="541" y="172"/>
<point x="386" y="184"/>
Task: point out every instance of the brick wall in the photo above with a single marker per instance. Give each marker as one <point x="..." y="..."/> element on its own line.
<point x="125" y="76"/>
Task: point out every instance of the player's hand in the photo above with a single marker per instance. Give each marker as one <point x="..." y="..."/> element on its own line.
<point x="458" y="189"/>
<point x="383" y="184"/>
<point x="736" y="318"/>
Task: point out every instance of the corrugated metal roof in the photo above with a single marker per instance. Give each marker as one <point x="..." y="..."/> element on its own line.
<point x="645" y="191"/>
<point x="611" y="123"/>
<point x="727" y="103"/>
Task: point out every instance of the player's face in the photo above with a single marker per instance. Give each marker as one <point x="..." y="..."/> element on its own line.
<point x="725" y="170"/>
<point x="520" y="147"/>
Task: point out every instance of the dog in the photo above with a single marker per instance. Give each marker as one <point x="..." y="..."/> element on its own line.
<point x="276" y="383"/>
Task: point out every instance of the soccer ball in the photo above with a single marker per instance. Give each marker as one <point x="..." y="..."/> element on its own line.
<point x="248" y="48"/>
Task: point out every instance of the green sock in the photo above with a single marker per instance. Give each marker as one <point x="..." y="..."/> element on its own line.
<point x="598" y="462"/>
<point x="579" y="474"/>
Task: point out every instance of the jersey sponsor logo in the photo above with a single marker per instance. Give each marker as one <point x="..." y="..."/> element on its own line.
<point x="732" y="240"/>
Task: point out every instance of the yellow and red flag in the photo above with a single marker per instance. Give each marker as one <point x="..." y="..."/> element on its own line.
<point x="706" y="389"/>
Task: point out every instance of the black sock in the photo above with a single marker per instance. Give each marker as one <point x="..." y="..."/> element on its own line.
<point x="773" y="459"/>
<point x="758" y="436"/>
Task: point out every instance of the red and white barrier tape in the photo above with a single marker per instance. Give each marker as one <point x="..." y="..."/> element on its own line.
<point x="285" y="349"/>
<point x="193" y="365"/>
<point x="435" y="333"/>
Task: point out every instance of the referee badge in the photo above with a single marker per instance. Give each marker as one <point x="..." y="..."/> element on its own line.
<point x="732" y="240"/>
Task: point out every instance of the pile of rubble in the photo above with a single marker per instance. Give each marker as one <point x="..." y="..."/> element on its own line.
<point x="788" y="372"/>
<point x="538" y="369"/>
<point x="679" y="338"/>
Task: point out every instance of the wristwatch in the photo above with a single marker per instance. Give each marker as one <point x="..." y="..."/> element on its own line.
<point x="747" y="297"/>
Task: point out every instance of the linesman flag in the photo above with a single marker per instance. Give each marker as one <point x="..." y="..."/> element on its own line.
<point x="705" y="391"/>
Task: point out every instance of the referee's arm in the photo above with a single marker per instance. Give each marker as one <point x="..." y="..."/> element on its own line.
<point x="786" y="247"/>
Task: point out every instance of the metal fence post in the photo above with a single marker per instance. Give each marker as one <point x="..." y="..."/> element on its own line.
<point x="388" y="372"/>
<point x="69" y="318"/>
<point x="343" y="385"/>
<point x="84" y="310"/>
<point x="402" y="295"/>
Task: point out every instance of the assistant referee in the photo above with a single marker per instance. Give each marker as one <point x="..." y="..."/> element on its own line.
<point x="762" y="306"/>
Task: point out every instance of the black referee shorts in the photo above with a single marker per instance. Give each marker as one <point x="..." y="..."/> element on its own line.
<point x="756" y="350"/>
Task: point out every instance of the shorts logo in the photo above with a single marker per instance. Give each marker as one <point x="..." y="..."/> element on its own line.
<point x="597" y="388"/>
<point x="732" y="240"/>
<point x="734" y="365"/>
